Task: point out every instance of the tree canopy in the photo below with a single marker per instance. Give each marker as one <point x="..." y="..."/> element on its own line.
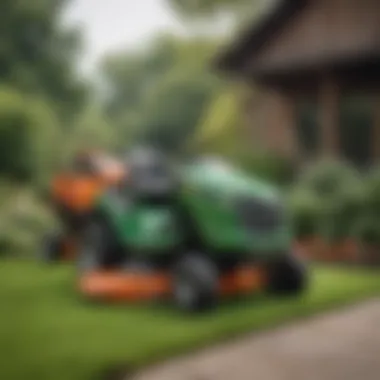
<point x="241" y="10"/>
<point x="29" y="134"/>
<point x="37" y="54"/>
<point x="158" y="94"/>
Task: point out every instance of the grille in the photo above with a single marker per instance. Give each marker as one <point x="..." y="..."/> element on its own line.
<point x="259" y="216"/>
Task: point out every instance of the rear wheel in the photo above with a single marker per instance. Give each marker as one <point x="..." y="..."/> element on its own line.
<point x="195" y="283"/>
<point x="52" y="247"/>
<point x="288" y="276"/>
<point x="94" y="248"/>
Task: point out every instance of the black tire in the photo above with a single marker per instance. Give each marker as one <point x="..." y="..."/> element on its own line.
<point x="94" y="247"/>
<point x="288" y="276"/>
<point x="195" y="283"/>
<point x="52" y="247"/>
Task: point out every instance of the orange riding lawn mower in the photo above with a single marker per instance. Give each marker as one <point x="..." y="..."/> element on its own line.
<point x="72" y="195"/>
<point x="191" y="231"/>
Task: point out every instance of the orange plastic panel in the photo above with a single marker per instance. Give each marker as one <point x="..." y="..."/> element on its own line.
<point x="124" y="286"/>
<point x="77" y="193"/>
<point x="243" y="280"/>
<point x="119" y="286"/>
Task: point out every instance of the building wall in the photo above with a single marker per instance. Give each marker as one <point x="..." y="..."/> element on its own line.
<point x="272" y="119"/>
<point x="276" y="124"/>
<point x="323" y="31"/>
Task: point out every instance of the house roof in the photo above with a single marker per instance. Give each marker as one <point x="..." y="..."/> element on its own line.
<point x="233" y="58"/>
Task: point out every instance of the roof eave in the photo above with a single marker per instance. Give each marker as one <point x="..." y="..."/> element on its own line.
<point x="233" y="59"/>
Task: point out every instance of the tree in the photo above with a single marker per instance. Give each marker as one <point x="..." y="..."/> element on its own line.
<point x="90" y="130"/>
<point x="128" y="75"/>
<point x="223" y="132"/>
<point x="174" y="109"/>
<point x="159" y="93"/>
<point x="207" y="9"/>
<point x="29" y="135"/>
<point x="221" y="129"/>
<point x="37" y="55"/>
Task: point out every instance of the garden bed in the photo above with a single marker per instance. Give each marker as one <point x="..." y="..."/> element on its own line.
<point x="349" y="251"/>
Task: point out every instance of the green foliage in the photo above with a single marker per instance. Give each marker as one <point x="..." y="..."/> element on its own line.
<point x="175" y="107"/>
<point x="328" y="178"/>
<point x="37" y="55"/>
<point x="342" y="215"/>
<point x="220" y="131"/>
<point x="90" y="130"/>
<point x="23" y="220"/>
<point x="338" y="194"/>
<point x="130" y="76"/>
<point x="333" y="201"/>
<point x="270" y="167"/>
<point x="205" y="8"/>
<point x="369" y="226"/>
<point x="159" y="93"/>
<point x="368" y="230"/>
<point x="372" y="191"/>
<point x="305" y="212"/>
<point x="28" y="135"/>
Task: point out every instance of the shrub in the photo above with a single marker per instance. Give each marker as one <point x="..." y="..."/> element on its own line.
<point x="28" y="137"/>
<point x="329" y="178"/>
<point x="369" y="224"/>
<point x="305" y="212"/>
<point x="23" y="221"/>
<point x="372" y="191"/>
<point x="341" y="214"/>
<point x="368" y="230"/>
<point x="336" y="190"/>
<point x="270" y="167"/>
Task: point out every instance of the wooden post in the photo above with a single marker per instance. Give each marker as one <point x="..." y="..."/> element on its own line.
<point x="279" y="127"/>
<point x="329" y="117"/>
<point x="289" y="118"/>
<point x="376" y="130"/>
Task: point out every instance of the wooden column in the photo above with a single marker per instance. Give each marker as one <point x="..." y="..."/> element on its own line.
<point x="329" y="117"/>
<point x="278" y="124"/>
<point x="288" y="118"/>
<point x="376" y="129"/>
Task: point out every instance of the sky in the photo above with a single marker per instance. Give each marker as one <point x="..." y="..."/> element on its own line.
<point x="114" y="24"/>
<point x="110" y="25"/>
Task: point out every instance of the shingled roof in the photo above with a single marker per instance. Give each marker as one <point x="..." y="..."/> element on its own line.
<point x="233" y="58"/>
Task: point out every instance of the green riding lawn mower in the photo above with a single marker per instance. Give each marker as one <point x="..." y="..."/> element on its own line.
<point x="192" y="231"/>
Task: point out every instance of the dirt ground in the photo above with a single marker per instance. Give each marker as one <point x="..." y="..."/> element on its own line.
<point x="340" y="346"/>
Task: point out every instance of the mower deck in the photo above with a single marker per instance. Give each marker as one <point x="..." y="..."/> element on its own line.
<point x="124" y="286"/>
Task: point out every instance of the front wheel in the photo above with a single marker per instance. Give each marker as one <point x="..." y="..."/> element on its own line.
<point x="195" y="283"/>
<point x="287" y="276"/>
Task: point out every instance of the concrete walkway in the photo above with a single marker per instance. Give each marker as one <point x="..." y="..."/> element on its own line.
<point x="340" y="346"/>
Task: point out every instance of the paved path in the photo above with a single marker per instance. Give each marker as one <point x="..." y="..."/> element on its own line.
<point x="340" y="346"/>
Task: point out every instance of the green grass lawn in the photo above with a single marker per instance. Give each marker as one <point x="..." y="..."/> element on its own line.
<point x="48" y="332"/>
